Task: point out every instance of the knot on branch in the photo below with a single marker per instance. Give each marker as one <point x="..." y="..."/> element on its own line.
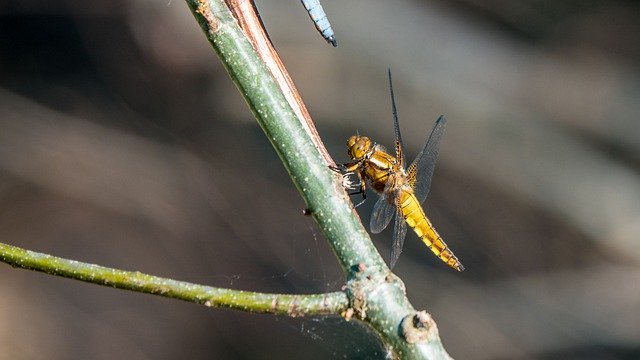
<point x="360" y="280"/>
<point x="367" y="286"/>
<point x="419" y="327"/>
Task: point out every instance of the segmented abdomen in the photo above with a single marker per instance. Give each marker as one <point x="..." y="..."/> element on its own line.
<point x="320" y="20"/>
<point x="415" y="217"/>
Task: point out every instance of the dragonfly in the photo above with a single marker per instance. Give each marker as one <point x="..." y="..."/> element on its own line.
<point x="402" y="189"/>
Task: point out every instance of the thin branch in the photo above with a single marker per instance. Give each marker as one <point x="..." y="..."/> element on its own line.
<point x="281" y="304"/>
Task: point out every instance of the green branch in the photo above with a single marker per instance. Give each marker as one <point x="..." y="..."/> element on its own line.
<point x="281" y="304"/>
<point x="317" y="184"/>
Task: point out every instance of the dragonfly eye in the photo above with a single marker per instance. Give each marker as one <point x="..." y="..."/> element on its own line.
<point x="358" y="146"/>
<point x="352" y="141"/>
<point x="364" y="144"/>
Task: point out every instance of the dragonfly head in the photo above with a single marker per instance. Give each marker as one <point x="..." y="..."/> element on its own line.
<point x="358" y="146"/>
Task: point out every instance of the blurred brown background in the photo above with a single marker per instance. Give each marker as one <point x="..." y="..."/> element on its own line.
<point x="124" y="143"/>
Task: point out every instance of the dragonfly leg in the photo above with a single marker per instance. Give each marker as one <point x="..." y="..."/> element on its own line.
<point x="362" y="185"/>
<point x="364" y="198"/>
<point x="345" y="171"/>
<point x="348" y="169"/>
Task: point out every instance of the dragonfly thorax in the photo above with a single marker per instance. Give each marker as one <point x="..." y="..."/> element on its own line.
<point x="358" y="146"/>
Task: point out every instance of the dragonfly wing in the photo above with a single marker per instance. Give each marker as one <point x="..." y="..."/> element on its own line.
<point x="396" y="125"/>
<point x="399" y="233"/>
<point x="421" y="170"/>
<point x="382" y="213"/>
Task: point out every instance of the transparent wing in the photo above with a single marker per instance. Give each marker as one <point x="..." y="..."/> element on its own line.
<point x="396" y="125"/>
<point x="383" y="211"/>
<point x="421" y="170"/>
<point x="399" y="233"/>
<point x="384" y="208"/>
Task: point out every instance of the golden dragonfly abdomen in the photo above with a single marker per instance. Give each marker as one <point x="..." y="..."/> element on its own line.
<point x="418" y="221"/>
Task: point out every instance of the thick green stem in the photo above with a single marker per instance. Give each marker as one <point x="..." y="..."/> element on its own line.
<point x="290" y="305"/>
<point x="311" y="175"/>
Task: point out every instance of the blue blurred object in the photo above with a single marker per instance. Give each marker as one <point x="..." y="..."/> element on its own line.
<point x="319" y="17"/>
